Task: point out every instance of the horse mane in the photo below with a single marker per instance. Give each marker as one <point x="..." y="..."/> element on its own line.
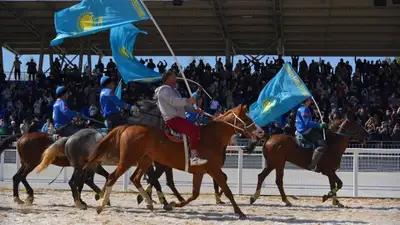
<point x="335" y="125"/>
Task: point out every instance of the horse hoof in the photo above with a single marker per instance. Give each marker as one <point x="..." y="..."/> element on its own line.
<point x="109" y="203"/>
<point x="97" y="197"/>
<point x="324" y="198"/>
<point x="99" y="209"/>
<point x="242" y="217"/>
<point x="18" y="201"/>
<point x="150" y="207"/>
<point x="220" y="203"/>
<point x="29" y="200"/>
<point x="252" y="200"/>
<point x="340" y="205"/>
<point x="80" y="205"/>
<point x="139" y="199"/>
<point x="288" y="204"/>
<point x="170" y="206"/>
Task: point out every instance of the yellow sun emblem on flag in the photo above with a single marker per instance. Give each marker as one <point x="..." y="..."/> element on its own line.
<point x="123" y="51"/>
<point x="86" y="21"/>
<point x="268" y="104"/>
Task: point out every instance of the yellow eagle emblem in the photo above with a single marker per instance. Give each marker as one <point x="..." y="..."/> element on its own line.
<point x="86" y="21"/>
<point x="268" y="104"/>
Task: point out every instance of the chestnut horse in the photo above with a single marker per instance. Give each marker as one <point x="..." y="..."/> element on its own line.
<point x="30" y="148"/>
<point x="281" y="148"/>
<point x="141" y="145"/>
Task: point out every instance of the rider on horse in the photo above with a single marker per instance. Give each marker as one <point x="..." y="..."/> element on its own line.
<point x="62" y="115"/>
<point x="111" y="105"/>
<point x="311" y="131"/>
<point x="173" y="107"/>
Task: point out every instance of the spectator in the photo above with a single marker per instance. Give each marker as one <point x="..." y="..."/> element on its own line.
<point x="31" y="69"/>
<point x="17" y="68"/>
<point x="24" y="127"/>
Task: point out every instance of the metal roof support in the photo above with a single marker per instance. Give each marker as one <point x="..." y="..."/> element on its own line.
<point x="41" y="57"/>
<point x="29" y="25"/>
<point x="89" y="57"/>
<point x="1" y="57"/>
<point x="222" y="24"/>
<point x="51" y="61"/>
<point x="278" y="22"/>
<point x="228" y="47"/>
<point x="81" y="50"/>
<point x="6" y="46"/>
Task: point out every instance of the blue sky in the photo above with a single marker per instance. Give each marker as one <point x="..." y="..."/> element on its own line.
<point x="8" y="58"/>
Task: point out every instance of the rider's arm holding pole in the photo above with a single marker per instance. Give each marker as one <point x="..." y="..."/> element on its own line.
<point x="67" y="112"/>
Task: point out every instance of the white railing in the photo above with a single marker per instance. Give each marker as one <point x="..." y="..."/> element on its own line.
<point x="393" y="155"/>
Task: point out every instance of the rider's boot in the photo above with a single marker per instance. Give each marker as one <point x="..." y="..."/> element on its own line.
<point x="317" y="155"/>
<point x="196" y="160"/>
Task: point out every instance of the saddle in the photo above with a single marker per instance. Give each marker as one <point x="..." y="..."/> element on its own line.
<point x="173" y="135"/>
<point x="302" y="142"/>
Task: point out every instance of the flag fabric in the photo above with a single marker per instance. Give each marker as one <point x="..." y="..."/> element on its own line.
<point x="118" y="90"/>
<point x="284" y="92"/>
<point x="91" y="16"/>
<point x="122" y="40"/>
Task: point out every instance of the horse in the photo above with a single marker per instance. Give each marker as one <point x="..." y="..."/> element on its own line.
<point x="30" y="148"/>
<point x="281" y="148"/>
<point x="76" y="149"/>
<point x="141" y="145"/>
<point x="149" y="114"/>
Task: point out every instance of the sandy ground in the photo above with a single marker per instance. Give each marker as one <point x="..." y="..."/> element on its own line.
<point x="56" y="207"/>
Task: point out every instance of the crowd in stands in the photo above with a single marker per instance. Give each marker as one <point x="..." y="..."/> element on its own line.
<point x="371" y="89"/>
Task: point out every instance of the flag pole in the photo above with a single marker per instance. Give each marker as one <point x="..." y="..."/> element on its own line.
<point x="320" y="115"/>
<point x="169" y="47"/>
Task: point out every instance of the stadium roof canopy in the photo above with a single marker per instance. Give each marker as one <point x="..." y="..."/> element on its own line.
<point x="211" y="27"/>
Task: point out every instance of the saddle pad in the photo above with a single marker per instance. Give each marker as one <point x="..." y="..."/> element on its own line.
<point x="302" y="142"/>
<point x="173" y="135"/>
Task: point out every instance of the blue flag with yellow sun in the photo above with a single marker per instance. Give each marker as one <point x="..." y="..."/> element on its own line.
<point x="284" y="92"/>
<point x="91" y="16"/>
<point x="122" y="40"/>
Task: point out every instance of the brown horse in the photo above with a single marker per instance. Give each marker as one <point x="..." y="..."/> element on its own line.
<point x="142" y="145"/>
<point x="30" y="148"/>
<point x="281" y="148"/>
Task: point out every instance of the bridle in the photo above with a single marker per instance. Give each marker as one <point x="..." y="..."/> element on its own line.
<point x="347" y="133"/>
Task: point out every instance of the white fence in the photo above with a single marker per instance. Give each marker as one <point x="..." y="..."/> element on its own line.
<point x="373" y="172"/>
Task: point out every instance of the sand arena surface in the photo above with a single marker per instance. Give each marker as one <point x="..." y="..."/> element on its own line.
<point x="56" y="207"/>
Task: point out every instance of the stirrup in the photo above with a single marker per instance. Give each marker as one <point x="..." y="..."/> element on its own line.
<point x="197" y="161"/>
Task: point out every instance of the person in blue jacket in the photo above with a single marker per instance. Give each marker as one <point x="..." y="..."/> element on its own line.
<point x="311" y="131"/>
<point x="62" y="115"/>
<point x="111" y="105"/>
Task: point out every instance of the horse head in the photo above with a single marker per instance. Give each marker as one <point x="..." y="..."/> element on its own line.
<point x="350" y="127"/>
<point x="242" y="123"/>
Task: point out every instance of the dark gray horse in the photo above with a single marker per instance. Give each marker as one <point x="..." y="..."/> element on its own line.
<point x="76" y="149"/>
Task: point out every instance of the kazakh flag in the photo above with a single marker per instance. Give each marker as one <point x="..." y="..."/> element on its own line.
<point x="122" y="40"/>
<point x="91" y="16"/>
<point x="285" y="91"/>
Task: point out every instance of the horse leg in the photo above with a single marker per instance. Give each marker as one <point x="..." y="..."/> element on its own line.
<point x="171" y="184"/>
<point x="339" y="185"/>
<point x="77" y="185"/>
<point x="279" y="183"/>
<point x="122" y="167"/>
<point x="152" y="180"/>
<point x="143" y="165"/>
<point x="102" y="172"/>
<point x="218" y="175"/>
<point x="29" y="190"/>
<point x="89" y="181"/>
<point x="218" y="193"/>
<point x="16" y="180"/>
<point x="197" y="179"/>
<point x="261" y="177"/>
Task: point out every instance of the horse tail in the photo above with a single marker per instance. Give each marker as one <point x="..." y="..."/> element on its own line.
<point x="51" y="153"/>
<point x="111" y="141"/>
<point x="4" y="144"/>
